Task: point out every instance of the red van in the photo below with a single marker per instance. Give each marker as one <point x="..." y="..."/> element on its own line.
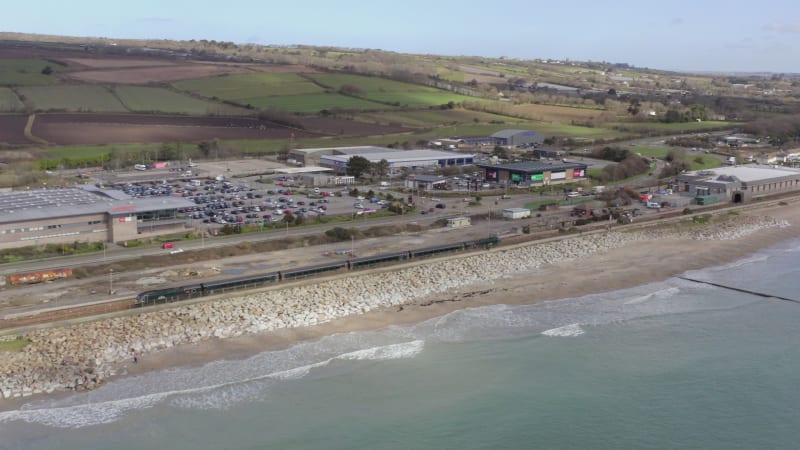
<point x="167" y="245"/>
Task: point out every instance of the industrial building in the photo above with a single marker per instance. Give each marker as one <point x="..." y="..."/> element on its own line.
<point x="397" y="159"/>
<point x="738" y="184"/>
<point x="534" y="173"/>
<point x="425" y="182"/>
<point x="85" y="214"/>
<point x="514" y="138"/>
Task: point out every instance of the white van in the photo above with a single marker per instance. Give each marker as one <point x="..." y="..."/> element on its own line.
<point x="140" y="167"/>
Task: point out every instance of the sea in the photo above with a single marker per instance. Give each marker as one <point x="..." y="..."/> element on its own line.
<point x="669" y="365"/>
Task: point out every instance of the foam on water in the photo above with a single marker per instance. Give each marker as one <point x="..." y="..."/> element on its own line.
<point x="571" y="330"/>
<point x="223" y="395"/>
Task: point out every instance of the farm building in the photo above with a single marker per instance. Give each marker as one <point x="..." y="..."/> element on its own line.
<point x="534" y="173"/>
<point x="425" y="182"/>
<point x="85" y="214"/>
<point x="397" y="159"/>
<point x="738" y="183"/>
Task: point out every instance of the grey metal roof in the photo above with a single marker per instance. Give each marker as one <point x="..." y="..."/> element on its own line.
<point x="747" y="174"/>
<point x="401" y="156"/>
<point x="428" y="178"/>
<point x="534" y="166"/>
<point x="505" y="134"/>
<point x="38" y="204"/>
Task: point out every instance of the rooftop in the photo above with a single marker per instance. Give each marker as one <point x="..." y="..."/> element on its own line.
<point x="534" y="166"/>
<point x="401" y="155"/>
<point x="747" y="174"/>
<point x="508" y="133"/>
<point x="37" y="204"/>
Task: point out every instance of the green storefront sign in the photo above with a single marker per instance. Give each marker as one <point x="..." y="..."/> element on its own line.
<point x="539" y="177"/>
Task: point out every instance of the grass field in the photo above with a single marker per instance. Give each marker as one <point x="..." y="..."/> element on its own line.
<point x="313" y="103"/>
<point x="150" y="99"/>
<point x="658" y="127"/>
<point x="73" y="98"/>
<point x="560" y="114"/>
<point x="435" y="118"/>
<point x="652" y="152"/>
<point x="26" y="72"/>
<point x="389" y="91"/>
<point x="9" y="101"/>
<point x="250" y="88"/>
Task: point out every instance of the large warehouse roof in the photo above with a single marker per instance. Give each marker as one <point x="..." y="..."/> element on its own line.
<point x="38" y="204"/>
<point x="533" y="166"/>
<point x="505" y="134"/>
<point x="746" y="174"/>
<point x="401" y="156"/>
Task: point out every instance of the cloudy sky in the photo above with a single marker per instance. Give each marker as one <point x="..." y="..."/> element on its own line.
<point x="708" y="35"/>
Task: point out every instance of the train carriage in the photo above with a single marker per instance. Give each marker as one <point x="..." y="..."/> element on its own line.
<point x="303" y="272"/>
<point x="369" y="261"/>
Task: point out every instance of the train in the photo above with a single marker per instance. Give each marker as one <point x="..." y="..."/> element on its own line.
<point x="196" y="290"/>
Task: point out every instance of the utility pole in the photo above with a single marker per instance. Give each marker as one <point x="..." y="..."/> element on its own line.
<point x="110" y="281"/>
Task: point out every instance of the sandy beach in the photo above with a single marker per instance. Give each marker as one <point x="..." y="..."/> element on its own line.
<point x="638" y="262"/>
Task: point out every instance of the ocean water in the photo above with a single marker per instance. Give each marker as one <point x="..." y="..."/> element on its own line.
<point x="668" y="365"/>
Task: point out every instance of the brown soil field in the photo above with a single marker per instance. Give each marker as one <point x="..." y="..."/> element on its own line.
<point x="115" y="63"/>
<point x="12" y="129"/>
<point x="90" y="129"/>
<point x="154" y="75"/>
<point x="97" y="129"/>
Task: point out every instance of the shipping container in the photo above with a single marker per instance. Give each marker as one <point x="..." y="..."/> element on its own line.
<point x="39" y="277"/>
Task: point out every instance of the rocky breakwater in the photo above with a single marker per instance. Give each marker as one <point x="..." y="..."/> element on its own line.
<point x="82" y="355"/>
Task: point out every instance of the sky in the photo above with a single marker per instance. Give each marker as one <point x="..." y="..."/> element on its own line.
<point x="699" y="35"/>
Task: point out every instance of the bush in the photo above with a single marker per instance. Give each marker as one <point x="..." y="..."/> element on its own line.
<point x="339" y="234"/>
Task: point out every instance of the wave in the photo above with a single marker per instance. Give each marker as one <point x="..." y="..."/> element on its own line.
<point x="570" y="330"/>
<point x="209" y="396"/>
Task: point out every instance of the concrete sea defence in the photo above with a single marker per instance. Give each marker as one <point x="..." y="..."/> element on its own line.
<point x="81" y="356"/>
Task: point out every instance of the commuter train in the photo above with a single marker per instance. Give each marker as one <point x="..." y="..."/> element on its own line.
<point x="254" y="281"/>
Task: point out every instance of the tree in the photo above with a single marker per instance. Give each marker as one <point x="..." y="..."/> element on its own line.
<point x="47" y="70"/>
<point x="381" y="168"/>
<point x="635" y="107"/>
<point x="357" y="166"/>
<point x="612" y="92"/>
<point x="500" y="152"/>
<point x="204" y="148"/>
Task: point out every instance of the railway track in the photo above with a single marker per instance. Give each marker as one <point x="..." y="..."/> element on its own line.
<point x="61" y="314"/>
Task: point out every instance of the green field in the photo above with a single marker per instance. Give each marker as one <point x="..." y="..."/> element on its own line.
<point x="81" y="98"/>
<point x="26" y="72"/>
<point x="427" y="118"/>
<point x="389" y="91"/>
<point x="9" y="101"/>
<point x="161" y="100"/>
<point x="313" y="103"/>
<point x="250" y="88"/>
<point x="653" y="152"/>
<point x="679" y="127"/>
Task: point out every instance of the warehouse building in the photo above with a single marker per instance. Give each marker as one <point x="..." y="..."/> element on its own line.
<point x="738" y="184"/>
<point x="513" y="138"/>
<point x="534" y="173"/>
<point x="85" y="214"/>
<point x="397" y="159"/>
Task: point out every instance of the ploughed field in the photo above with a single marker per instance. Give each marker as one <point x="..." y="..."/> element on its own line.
<point x="98" y="129"/>
<point x="12" y="129"/>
